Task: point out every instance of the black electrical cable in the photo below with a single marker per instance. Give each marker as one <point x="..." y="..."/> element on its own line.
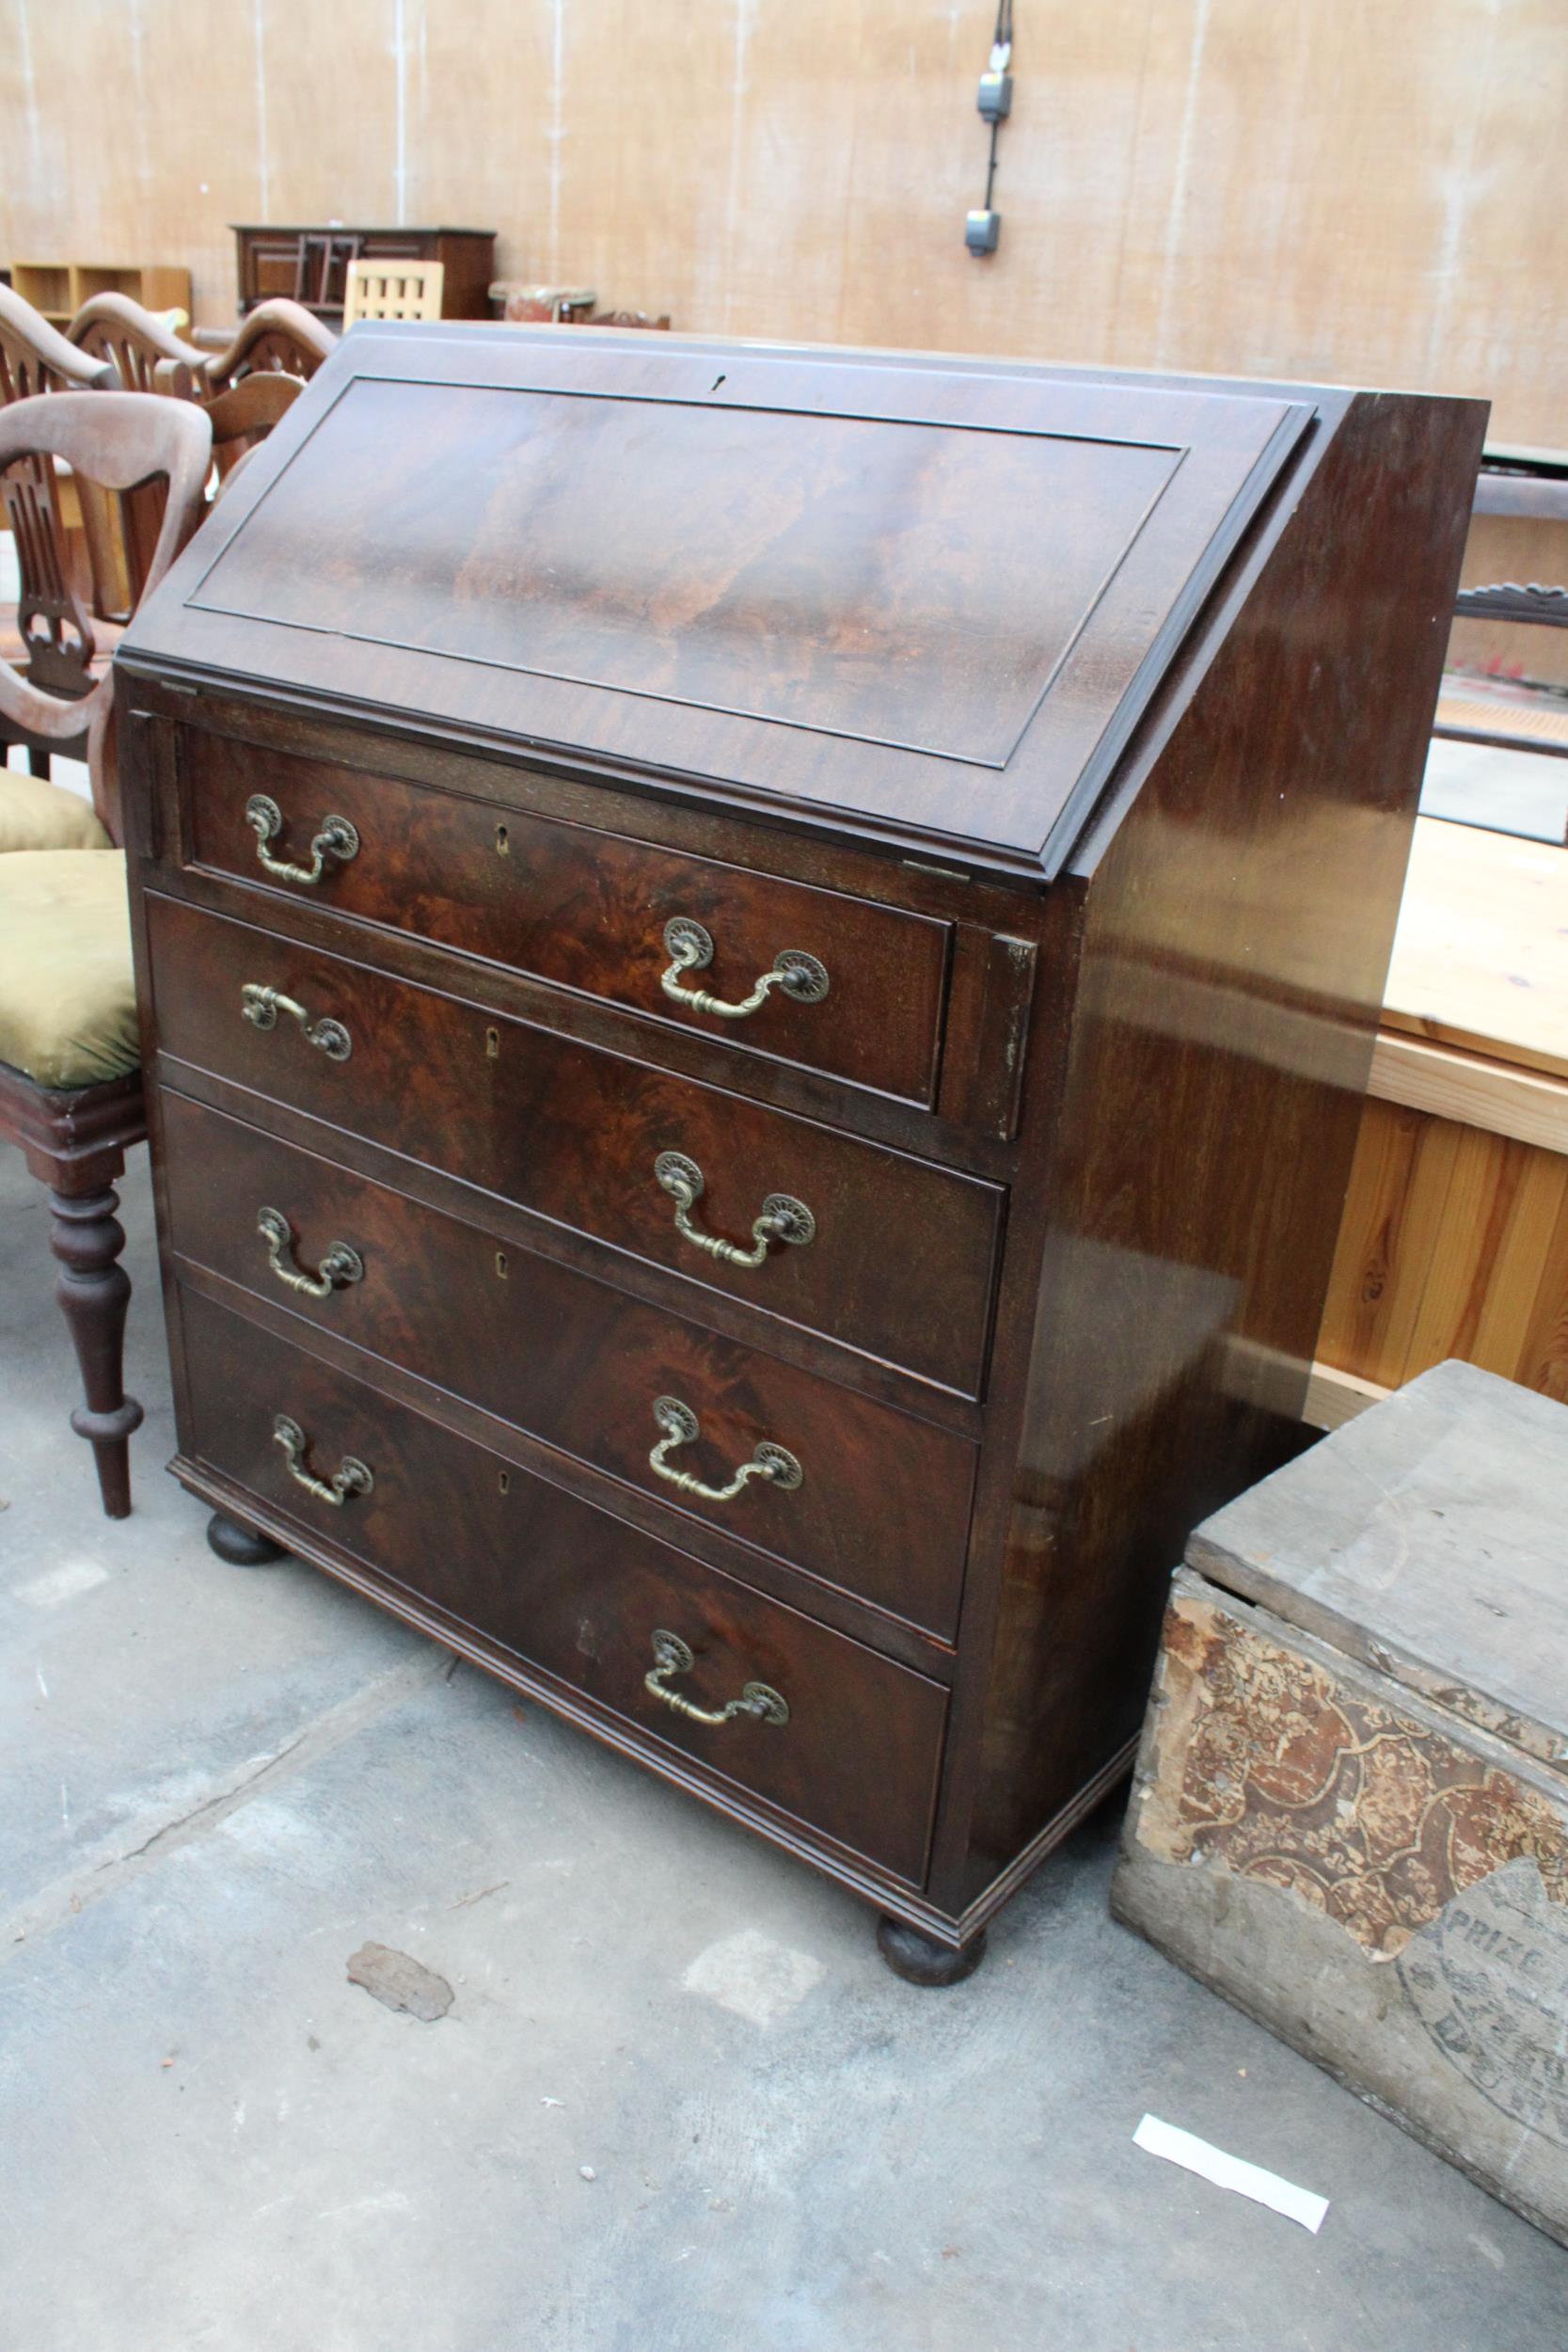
<point x="990" y="165"/>
<point x="1001" y="50"/>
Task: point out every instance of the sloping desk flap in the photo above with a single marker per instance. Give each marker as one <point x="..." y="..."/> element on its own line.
<point x="921" y="603"/>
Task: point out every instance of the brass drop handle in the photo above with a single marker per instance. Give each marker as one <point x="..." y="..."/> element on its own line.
<point x="336" y="840"/>
<point x="671" y="1656"/>
<point x="681" y="1427"/>
<point x="262" y="1006"/>
<point x="691" y="949"/>
<point x="340" y="1266"/>
<point x="351" y="1477"/>
<point x="784" y="1218"/>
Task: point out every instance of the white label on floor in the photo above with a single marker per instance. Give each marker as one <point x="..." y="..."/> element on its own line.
<point x="755" y="1978"/>
<point x="1248" y="2180"/>
<point x="62" y="1583"/>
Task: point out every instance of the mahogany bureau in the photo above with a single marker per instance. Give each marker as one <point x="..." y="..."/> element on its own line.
<point x="757" y="968"/>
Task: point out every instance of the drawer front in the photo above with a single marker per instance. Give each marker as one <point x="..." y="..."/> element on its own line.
<point x="576" y="1592"/>
<point x="901" y="1254"/>
<point x="881" y="1506"/>
<point x="588" y="910"/>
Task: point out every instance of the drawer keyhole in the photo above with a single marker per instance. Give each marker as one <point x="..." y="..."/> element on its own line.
<point x="493" y="1043"/>
<point x="502" y="844"/>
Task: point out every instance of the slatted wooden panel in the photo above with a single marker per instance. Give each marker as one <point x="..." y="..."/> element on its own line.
<point x="1342" y="192"/>
<point x="1455" y="1242"/>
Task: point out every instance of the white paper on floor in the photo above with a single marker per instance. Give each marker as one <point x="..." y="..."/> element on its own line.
<point x="1248" y="2180"/>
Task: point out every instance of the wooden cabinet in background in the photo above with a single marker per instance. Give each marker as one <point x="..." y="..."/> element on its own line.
<point x="308" y="265"/>
<point x="758" y="968"/>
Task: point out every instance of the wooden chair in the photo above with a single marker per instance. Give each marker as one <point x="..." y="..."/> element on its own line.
<point x="137" y="342"/>
<point x="71" y="1089"/>
<point x="392" y="289"/>
<point x="256" y="379"/>
<point x="37" y="357"/>
<point x="111" y="326"/>
<point x="66" y="556"/>
<point x="275" y="338"/>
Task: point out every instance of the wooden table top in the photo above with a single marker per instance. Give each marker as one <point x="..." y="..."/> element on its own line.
<point x="1480" y="959"/>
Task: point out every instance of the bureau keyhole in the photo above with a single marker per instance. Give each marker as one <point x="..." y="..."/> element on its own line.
<point x="493" y="1043"/>
<point x="502" y="843"/>
<point x="506" y="1482"/>
<point x="500" y="1264"/>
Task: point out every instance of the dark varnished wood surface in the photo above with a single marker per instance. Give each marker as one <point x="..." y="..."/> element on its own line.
<point x="579" y="1593"/>
<point x="1006" y="958"/>
<point x="860" y="628"/>
<point x="825" y="598"/>
<point x="1155" y="1063"/>
<point x="574" y="1134"/>
<point x="1238" y="927"/>
<point x="586" y="909"/>
<point x="883" y="1509"/>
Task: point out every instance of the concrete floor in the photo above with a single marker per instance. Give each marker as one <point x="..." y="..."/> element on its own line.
<point x="222" y="1783"/>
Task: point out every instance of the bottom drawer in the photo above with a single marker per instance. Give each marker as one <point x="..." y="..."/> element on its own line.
<point x="574" y="1591"/>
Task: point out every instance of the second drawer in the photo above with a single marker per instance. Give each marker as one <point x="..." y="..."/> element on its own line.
<point x="889" y="1254"/>
<point x="880" y="1506"/>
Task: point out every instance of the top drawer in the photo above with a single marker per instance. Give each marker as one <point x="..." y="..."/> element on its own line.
<point x="860" y="994"/>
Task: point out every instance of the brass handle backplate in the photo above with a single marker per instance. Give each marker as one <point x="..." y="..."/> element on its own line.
<point x="671" y="1656"/>
<point x="351" y="1477"/>
<point x="262" y="1006"/>
<point x="681" y="1427"/>
<point x="784" y="1218"/>
<point x="341" y="1265"/>
<point x="691" y="949"/>
<point x="338" y="840"/>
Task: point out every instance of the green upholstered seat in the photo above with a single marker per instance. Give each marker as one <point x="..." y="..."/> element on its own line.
<point x="37" y="815"/>
<point x="67" y="1002"/>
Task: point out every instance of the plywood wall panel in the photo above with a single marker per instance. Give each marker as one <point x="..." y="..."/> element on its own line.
<point x="1361" y="193"/>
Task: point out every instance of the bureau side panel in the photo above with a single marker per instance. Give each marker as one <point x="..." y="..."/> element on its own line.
<point x="1238" y="927"/>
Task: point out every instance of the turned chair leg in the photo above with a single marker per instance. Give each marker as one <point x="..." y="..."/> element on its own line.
<point x="94" y="1290"/>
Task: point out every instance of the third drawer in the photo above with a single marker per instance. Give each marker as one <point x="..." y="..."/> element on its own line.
<point x="881" y="1506"/>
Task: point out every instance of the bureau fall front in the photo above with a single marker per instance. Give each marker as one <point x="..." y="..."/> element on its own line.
<point x="757" y="968"/>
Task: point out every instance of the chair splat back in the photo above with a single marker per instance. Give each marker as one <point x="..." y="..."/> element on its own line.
<point x="117" y="441"/>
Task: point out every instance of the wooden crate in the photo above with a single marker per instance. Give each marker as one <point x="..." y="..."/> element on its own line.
<point x="1454" y="1238"/>
<point x="1350" y="1808"/>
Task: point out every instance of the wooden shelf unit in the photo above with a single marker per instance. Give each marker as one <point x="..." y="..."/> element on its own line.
<point x="59" y="289"/>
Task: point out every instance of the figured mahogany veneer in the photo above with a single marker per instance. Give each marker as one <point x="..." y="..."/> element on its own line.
<point x="882" y="1507"/>
<point x="575" y="1135"/>
<point x="574" y="1592"/>
<point x="1073" y="724"/>
<point x="589" y="910"/>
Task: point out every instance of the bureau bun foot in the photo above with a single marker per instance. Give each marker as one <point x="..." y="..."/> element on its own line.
<point x="921" y="1959"/>
<point x="242" y="1547"/>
